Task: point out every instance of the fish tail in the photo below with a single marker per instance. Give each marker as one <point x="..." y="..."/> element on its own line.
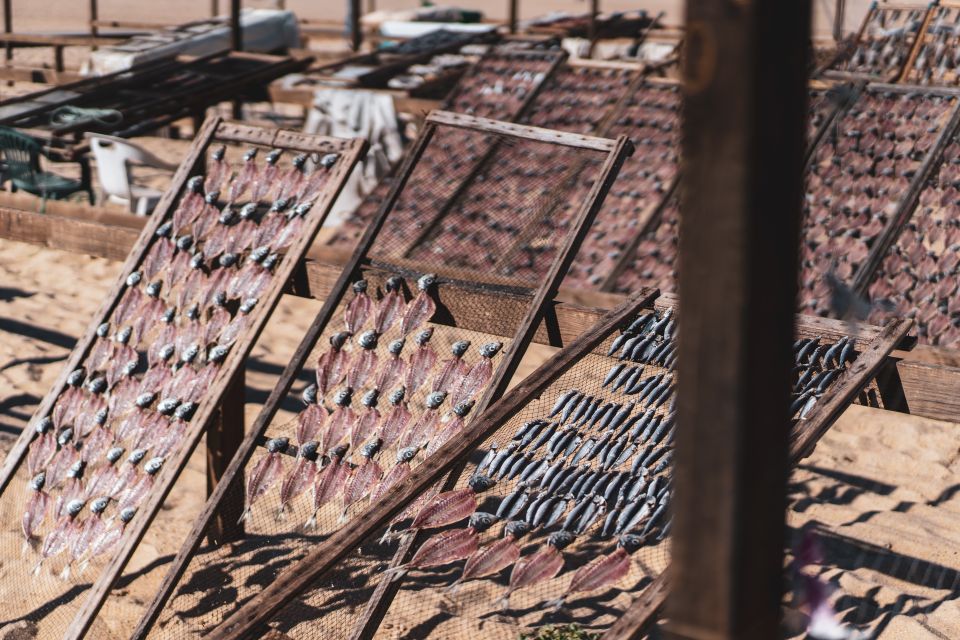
<point x="65" y="574"/>
<point x="281" y="513"/>
<point x="452" y="589"/>
<point x="244" y="515"/>
<point x="556" y="604"/>
<point x="503" y="602"/>
<point x="387" y="536"/>
<point x="343" y="516"/>
<point x="396" y="573"/>
<point x="36" y="569"/>
<point x="311" y="522"/>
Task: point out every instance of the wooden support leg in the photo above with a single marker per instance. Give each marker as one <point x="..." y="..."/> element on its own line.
<point x="223" y="439"/>
<point x="891" y="387"/>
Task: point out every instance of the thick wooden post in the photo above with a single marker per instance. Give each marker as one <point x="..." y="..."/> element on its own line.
<point x="838" y="19"/>
<point x="223" y="440"/>
<point x="94" y="16"/>
<point x="512" y="20"/>
<point x="745" y="71"/>
<point x="592" y="26"/>
<point x="8" y="26"/>
<point x="214" y="8"/>
<point x="236" y="43"/>
<point x="353" y="15"/>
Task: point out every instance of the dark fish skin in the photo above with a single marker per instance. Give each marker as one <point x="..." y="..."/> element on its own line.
<point x="636" y="487"/>
<point x="658" y="434"/>
<point x="625" y="375"/>
<point x="659" y="326"/>
<point x="659" y="352"/>
<point x="619" y="419"/>
<point x="651" y="427"/>
<point x="663" y="493"/>
<point x="488" y="458"/>
<point x="613" y="487"/>
<point x="581" y="480"/>
<point x="805" y="378"/>
<point x="600" y="447"/>
<point x="612" y="374"/>
<point x="507" y="464"/>
<point x="512" y="504"/>
<point x="654" y="455"/>
<point x="625" y="455"/>
<point x="533" y="472"/>
<point x="818" y="354"/>
<point x="560" y="478"/>
<point x="533" y="430"/>
<point x="617" y="342"/>
<point x="846" y="353"/>
<point x="628" y="347"/>
<point x="650" y="387"/>
<point x="661" y="394"/>
<point x="645" y="418"/>
<point x="642" y="510"/>
<point x="832" y="353"/>
<point x="572" y="480"/>
<point x="559" y="442"/>
<point x="799" y="402"/>
<point x="500" y="458"/>
<point x="578" y="508"/>
<point x="561" y="402"/>
<point x="638" y="461"/>
<point x="518" y="466"/>
<point x="593" y="511"/>
<point x="585" y="448"/>
<point x="590" y="485"/>
<point x="654" y="518"/>
<point x="533" y="506"/>
<point x="664" y="464"/>
<point x="642" y="321"/>
<point x="610" y="523"/>
<point x="611" y="455"/>
<point x="653" y="487"/>
<point x="552" y="470"/>
<point x="572" y="445"/>
<point x="829" y="378"/>
<point x="591" y="409"/>
<point x="642" y="348"/>
<point x="636" y="384"/>
<point x="601" y="486"/>
<point x="577" y="403"/>
<point x="544" y="436"/>
<point x="556" y="511"/>
<point x="544" y="510"/>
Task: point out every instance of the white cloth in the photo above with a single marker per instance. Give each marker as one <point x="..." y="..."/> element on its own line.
<point x="357" y="113"/>
<point x="264" y="30"/>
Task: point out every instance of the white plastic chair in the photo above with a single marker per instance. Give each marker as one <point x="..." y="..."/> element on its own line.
<point x="115" y="157"/>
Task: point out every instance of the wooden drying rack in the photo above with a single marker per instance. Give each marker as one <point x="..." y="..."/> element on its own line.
<point x="229" y="383"/>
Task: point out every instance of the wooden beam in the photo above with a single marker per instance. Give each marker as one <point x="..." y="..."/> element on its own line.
<point x="512" y="11"/>
<point x="838" y="19"/>
<point x="223" y="440"/>
<point x="353" y="16"/>
<point x="745" y="74"/>
<point x="236" y="31"/>
<point x="93" y="18"/>
<point x="537" y="134"/>
<point x="8" y="25"/>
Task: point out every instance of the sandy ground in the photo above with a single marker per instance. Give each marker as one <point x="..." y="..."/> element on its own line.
<point x="882" y="486"/>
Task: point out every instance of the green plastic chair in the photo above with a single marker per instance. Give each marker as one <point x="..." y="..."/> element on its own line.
<point x="21" y="157"/>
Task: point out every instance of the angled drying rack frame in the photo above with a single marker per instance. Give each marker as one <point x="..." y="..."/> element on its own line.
<point x="871" y="342"/>
<point x="213" y="131"/>
<point x="530" y="298"/>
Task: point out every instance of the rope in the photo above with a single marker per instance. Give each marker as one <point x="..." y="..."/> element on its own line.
<point x="68" y="115"/>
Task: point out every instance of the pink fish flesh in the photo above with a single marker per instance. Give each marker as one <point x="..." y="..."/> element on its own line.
<point x="331" y="369"/>
<point x="421" y="431"/>
<point x="364" y="364"/>
<point x="491" y="559"/>
<point x="159" y="255"/>
<point x="447" y="508"/>
<point x="476" y="379"/>
<point x="540" y="567"/>
<point x="418" y="311"/>
<point x="218" y="169"/>
<point x="330" y="482"/>
<point x="358" y="311"/>
<point x="41" y="452"/>
<point x="263" y="476"/>
<point x="394" y="424"/>
<point x="444" y="548"/>
<point x="338" y="428"/>
<point x="34" y="514"/>
<point x="364" y="428"/>
<point x="391" y="372"/>
<point x="395" y="476"/>
<point x="600" y="572"/>
<point x="243" y="179"/>
<point x="60" y="464"/>
<point x="450" y="376"/>
<point x="296" y="482"/>
<point x="187" y="211"/>
<point x="97" y="444"/>
<point x="389" y="309"/>
<point x="309" y="422"/>
<point x="219" y="318"/>
<point x="421" y="363"/>
<point x="360" y="484"/>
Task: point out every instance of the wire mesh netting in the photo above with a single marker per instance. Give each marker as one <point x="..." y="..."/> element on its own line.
<point x="857" y="179"/>
<point x="127" y="410"/>
<point x="405" y="362"/>
<point x="496" y="87"/>
<point x="918" y="275"/>
<point x="651" y="119"/>
<point x="883" y="47"/>
<point x="935" y="63"/>
<point x="570" y="519"/>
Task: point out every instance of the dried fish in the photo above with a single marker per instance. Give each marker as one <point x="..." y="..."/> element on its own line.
<point x="390" y="306"/>
<point x="602" y="571"/>
<point x="494" y="557"/>
<point x="446" y="546"/>
<point x="265" y="180"/>
<point x="218" y="169"/>
<point x="134" y="495"/>
<point x="364" y="363"/>
<point x="419" y="433"/>
<point x="539" y="567"/>
<point x="479" y="374"/>
<point x="105" y="543"/>
<point x="332" y="366"/>
<point x="329" y="483"/>
<point x="397" y="474"/>
<point x="451" y="506"/>
<point x="364" y="478"/>
<point x="396" y="421"/>
<point x="35" y="511"/>
<point x="190" y="204"/>
<point x="421" y="362"/>
<point x="341" y="421"/>
<point x="246" y="177"/>
<point x="264" y="474"/>
<point x="393" y="369"/>
<point x="421" y="308"/>
<point x="61" y="535"/>
<point x="358" y="309"/>
<point x="300" y="478"/>
<point x="452" y="370"/>
<point x="43" y="447"/>
<point x="90" y="531"/>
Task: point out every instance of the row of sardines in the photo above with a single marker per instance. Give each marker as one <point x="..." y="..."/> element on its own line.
<point x="94" y="459"/>
<point x="347" y="457"/>
<point x="593" y="468"/>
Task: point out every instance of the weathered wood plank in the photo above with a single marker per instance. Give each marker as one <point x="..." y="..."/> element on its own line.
<point x="524" y="131"/>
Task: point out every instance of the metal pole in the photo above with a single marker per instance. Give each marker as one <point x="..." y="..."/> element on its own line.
<point x="745" y="72"/>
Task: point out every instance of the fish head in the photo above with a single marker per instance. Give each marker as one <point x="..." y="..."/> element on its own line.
<point x="103" y="330"/>
<point x="38" y="481"/>
<point x="248" y="305"/>
<point x="270" y="261"/>
<point x="371" y="448"/>
<point x="123" y="336"/>
<point x="435" y="399"/>
<point x="217" y="353"/>
<point x="308" y="450"/>
<point x="299" y="161"/>
<point x="479" y="482"/>
<point x="185" y="411"/>
<point x="339" y="339"/>
<point x="164" y="230"/>
<point x="328" y="160"/>
<point x="113" y="454"/>
<point x="276" y="445"/>
<point x="426" y="281"/>
<point x="248" y="211"/>
<point x="167" y="351"/>
<point x="153" y="289"/>
<point x="75" y="379"/>
<point x="303" y="209"/>
<point x="630" y="542"/>
<point x="368" y="339"/>
<point x="136" y="456"/>
<point x="459" y="348"/>
<point x="463" y="408"/>
<point x="250" y="154"/>
<point x="65" y="436"/>
<point x="339" y="451"/>
<point x="490" y="349"/>
<point x="393" y="283"/>
<point x="226" y="216"/>
<point x="153" y="465"/>
<point x="258" y="254"/>
<point x="74" y="507"/>
<point x="97" y="386"/>
<point x="212" y="197"/>
<point x="144" y="400"/>
<point x="134" y="279"/>
<point x="360" y="286"/>
<point x="227" y="260"/>
<point x="396" y="396"/>
<point x="274" y="156"/>
<point x="126" y="515"/>
<point x="219" y="153"/>
<point x="45" y="425"/>
<point x="100" y="417"/>
<point x="190" y="353"/>
<point x="406" y="454"/>
<point x="516" y="528"/>
<point x="167" y="406"/>
<point x="560" y="539"/>
<point x="423" y="337"/>
<point x="184" y="243"/>
<point x="481" y="521"/>
<point x="309" y="395"/>
<point x="193" y="312"/>
<point x="169" y="315"/>
<point x="369" y="399"/>
<point x="99" y="505"/>
<point x="343" y="398"/>
<point x="395" y="347"/>
<point x="195" y="184"/>
<point x="220" y="299"/>
<point x="279" y="205"/>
